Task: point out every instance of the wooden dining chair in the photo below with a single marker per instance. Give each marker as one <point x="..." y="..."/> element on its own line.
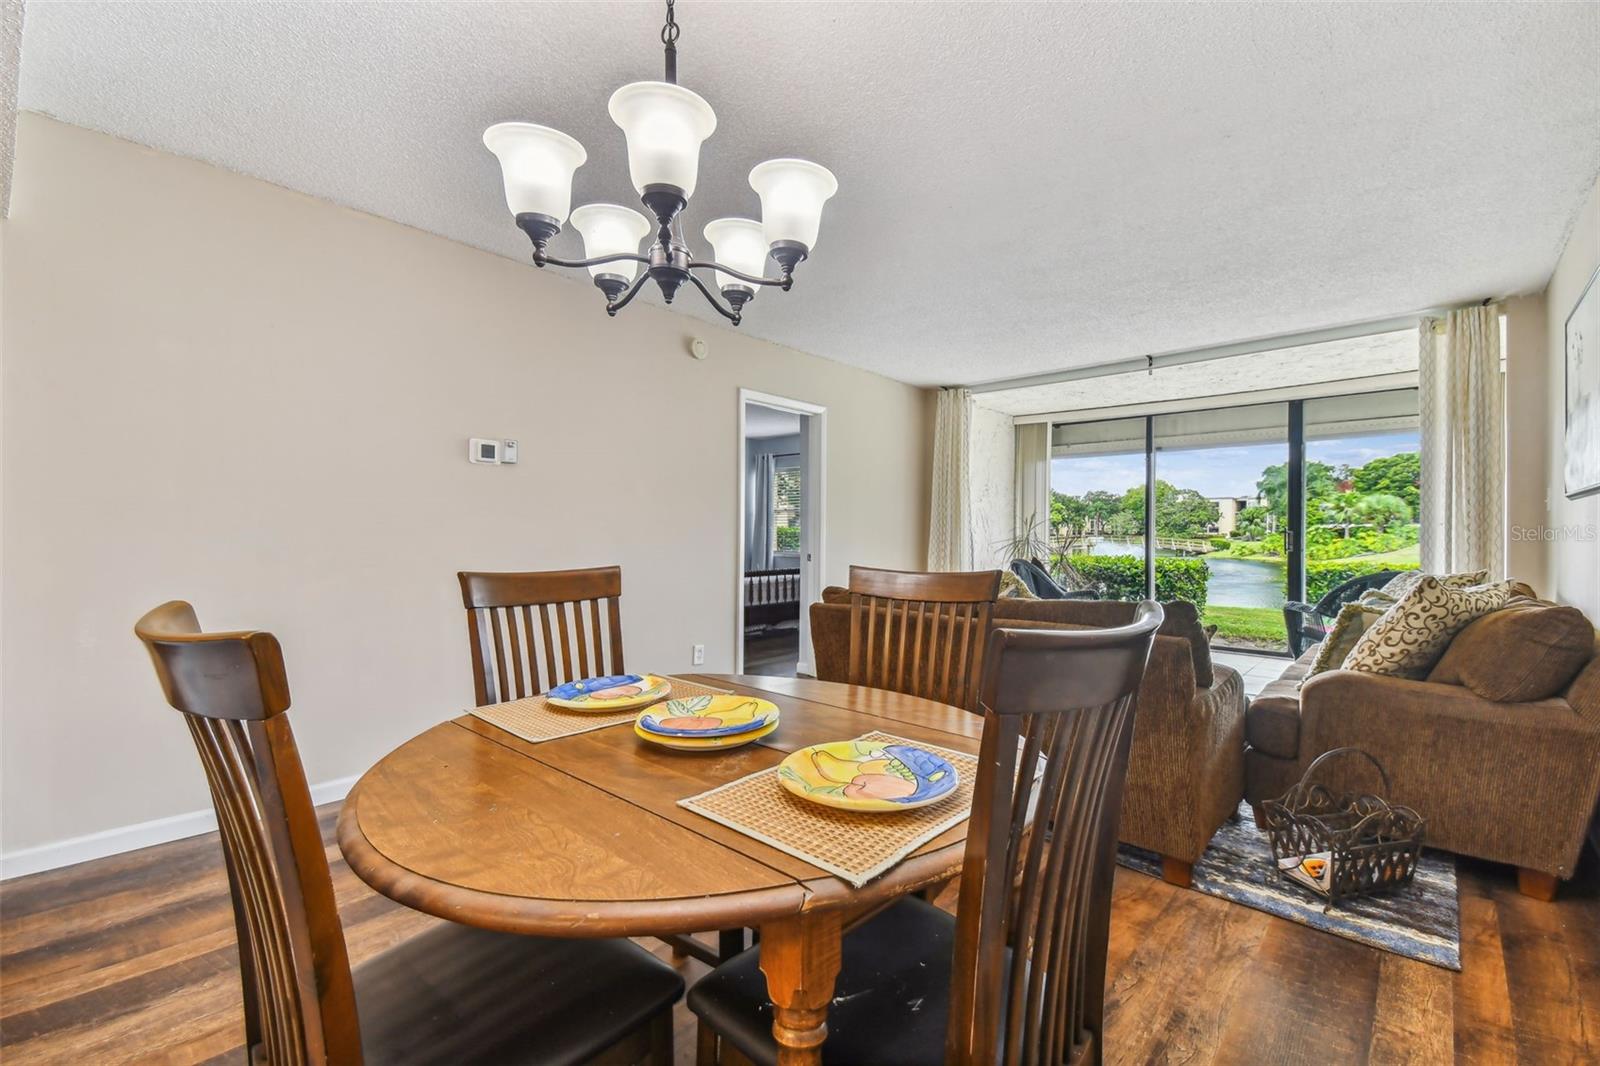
<point x="1017" y="975"/>
<point x="514" y="656"/>
<point x="920" y="633"/>
<point x="452" y="995"/>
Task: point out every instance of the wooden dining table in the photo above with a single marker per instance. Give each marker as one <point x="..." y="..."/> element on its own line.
<point x="582" y="836"/>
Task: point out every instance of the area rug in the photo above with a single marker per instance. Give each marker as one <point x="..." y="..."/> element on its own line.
<point x="1421" y="921"/>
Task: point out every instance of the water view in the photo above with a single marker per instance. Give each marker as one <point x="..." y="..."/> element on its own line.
<point x="1232" y="582"/>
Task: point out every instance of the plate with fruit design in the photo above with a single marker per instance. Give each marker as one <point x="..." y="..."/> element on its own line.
<point x="868" y="775"/>
<point x="614" y="692"/>
<point x="708" y="716"/>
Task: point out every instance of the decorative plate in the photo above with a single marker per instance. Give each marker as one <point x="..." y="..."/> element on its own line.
<point x="866" y="775"/>
<point x="708" y="716"/>
<point x="618" y="692"/>
<point x="705" y="743"/>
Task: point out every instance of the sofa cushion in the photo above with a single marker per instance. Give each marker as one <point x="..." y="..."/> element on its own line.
<point x="1272" y="724"/>
<point x="1012" y="587"/>
<point x="1411" y="636"/>
<point x="1527" y="650"/>
<point x="1401" y="584"/>
<point x="1353" y="620"/>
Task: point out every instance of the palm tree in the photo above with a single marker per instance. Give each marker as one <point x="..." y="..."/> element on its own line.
<point x="1344" y="510"/>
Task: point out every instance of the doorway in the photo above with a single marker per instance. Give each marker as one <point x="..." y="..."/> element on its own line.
<point x="782" y="449"/>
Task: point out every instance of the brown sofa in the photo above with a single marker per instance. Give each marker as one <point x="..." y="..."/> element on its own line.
<point x="1498" y="749"/>
<point x="1186" y="768"/>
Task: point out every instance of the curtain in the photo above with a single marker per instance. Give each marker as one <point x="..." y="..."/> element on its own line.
<point x="1462" y="402"/>
<point x="758" y="524"/>
<point x="950" y="520"/>
<point x="1033" y="480"/>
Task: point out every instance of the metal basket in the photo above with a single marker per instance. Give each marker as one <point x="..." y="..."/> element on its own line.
<point x="1373" y="845"/>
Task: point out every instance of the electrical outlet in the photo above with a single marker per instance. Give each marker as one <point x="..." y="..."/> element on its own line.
<point x="698" y="655"/>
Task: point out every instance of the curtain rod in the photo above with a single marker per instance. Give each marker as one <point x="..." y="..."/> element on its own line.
<point x="1201" y="355"/>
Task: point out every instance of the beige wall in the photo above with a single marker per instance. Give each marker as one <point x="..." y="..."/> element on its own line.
<point x="220" y="390"/>
<point x="1573" y="555"/>
<point x="1527" y="439"/>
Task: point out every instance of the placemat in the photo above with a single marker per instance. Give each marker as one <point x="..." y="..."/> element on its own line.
<point x="848" y="844"/>
<point x="534" y="720"/>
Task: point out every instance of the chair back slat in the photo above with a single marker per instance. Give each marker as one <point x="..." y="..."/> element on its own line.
<point x="939" y="655"/>
<point x="233" y="691"/>
<point x="1034" y="911"/>
<point x="580" y="617"/>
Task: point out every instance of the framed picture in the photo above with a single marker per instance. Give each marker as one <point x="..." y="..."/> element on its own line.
<point x="1583" y="393"/>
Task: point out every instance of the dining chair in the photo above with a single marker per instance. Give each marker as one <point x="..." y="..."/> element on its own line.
<point x="451" y="995"/>
<point x="920" y="633"/>
<point x="508" y="662"/>
<point x="1017" y="975"/>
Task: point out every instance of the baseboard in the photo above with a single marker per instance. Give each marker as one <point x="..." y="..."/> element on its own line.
<point x="133" y="837"/>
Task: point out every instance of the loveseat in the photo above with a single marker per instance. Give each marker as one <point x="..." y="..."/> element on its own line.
<point x="1186" y="767"/>
<point x="1498" y="747"/>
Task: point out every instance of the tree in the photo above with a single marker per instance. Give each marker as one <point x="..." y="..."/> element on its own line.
<point x="1179" y="512"/>
<point x="1383" y="510"/>
<point x="1395" y="475"/>
<point x="1274" y="485"/>
<point x="1251" y="523"/>
<point x="1342" y="510"/>
<point x="1086" y="513"/>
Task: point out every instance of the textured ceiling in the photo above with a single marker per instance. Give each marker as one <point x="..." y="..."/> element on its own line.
<point x="1023" y="187"/>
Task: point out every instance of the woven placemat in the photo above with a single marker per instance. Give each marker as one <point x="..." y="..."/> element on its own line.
<point x="850" y="845"/>
<point x="534" y="719"/>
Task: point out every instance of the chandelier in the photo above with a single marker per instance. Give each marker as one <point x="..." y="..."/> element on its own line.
<point x="664" y="124"/>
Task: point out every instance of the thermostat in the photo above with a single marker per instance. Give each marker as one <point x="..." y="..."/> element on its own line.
<point x="508" y="452"/>
<point x="483" y="451"/>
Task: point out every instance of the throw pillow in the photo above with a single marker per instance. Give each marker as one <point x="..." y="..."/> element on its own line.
<point x="1013" y="587"/>
<point x="1401" y="584"/>
<point x="1527" y="650"/>
<point x="1353" y="620"/>
<point x="1412" y="634"/>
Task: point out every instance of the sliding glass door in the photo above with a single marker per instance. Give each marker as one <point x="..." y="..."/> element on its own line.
<point x="1221" y="490"/>
<point x="1238" y="509"/>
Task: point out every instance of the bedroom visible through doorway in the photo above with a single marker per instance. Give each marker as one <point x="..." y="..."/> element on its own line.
<point x="781" y="444"/>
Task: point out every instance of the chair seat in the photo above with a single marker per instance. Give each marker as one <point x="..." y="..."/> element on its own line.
<point x="458" y="995"/>
<point x="891" y="1003"/>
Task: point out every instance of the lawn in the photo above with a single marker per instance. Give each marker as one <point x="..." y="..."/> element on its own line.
<point x="1253" y="627"/>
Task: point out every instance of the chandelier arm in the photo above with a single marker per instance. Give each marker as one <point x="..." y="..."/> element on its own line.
<point x="620" y="257"/>
<point x="731" y="316"/>
<point x="782" y="283"/>
<point x="638" y="283"/>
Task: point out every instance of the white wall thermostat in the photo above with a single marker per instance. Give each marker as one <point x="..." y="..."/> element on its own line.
<point x="483" y="451"/>
<point x="508" y="452"/>
<point x="698" y="348"/>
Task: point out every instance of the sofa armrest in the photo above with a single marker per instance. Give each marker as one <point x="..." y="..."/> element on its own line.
<point x="1512" y="782"/>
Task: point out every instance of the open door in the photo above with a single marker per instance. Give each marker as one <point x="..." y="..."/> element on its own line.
<point x="782" y="445"/>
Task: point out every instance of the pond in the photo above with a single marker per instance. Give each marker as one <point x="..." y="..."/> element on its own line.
<point x="1233" y="582"/>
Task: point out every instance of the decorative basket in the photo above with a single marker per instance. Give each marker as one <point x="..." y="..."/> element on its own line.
<point x="1342" y="844"/>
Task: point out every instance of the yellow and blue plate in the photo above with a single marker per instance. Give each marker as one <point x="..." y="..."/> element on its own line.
<point x="867" y="775"/>
<point x="708" y="716"/>
<point x="615" y="692"/>
<point x="705" y="743"/>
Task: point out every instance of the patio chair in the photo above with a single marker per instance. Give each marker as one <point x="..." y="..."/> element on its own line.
<point x="1042" y="585"/>
<point x="1308" y="622"/>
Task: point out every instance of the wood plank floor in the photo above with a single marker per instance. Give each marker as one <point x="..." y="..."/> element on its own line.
<point x="132" y="959"/>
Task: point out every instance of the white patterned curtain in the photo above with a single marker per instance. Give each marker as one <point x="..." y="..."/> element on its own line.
<point x="1462" y="399"/>
<point x="949" y="522"/>
<point x="1033" y="480"/>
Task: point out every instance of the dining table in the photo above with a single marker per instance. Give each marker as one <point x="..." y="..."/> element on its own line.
<point x="583" y="836"/>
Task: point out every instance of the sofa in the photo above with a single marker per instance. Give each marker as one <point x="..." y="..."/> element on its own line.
<point x="1186" y="766"/>
<point x="1498" y="747"/>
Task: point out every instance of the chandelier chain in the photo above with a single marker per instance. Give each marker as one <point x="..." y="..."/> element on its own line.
<point x="669" y="32"/>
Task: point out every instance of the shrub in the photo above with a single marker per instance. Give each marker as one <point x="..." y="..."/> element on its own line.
<point x="787" y="538"/>
<point x="1323" y="576"/>
<point x="1220" y="543"/>
<point x="1123" y="576"/>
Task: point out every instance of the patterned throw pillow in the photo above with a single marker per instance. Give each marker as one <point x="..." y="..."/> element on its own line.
<point x="1412" y="634"/>
<point x="1401" y="584"/>
<point x="1012" y="587"/>
<point x="1353" y="620"/>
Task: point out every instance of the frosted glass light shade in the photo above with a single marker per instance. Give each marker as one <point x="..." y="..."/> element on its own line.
<point x="737" y="243"/>
<point x="607" y="230"/>
<point x="665" y="125"/>
<point x="537" y="164"/>
<point x="792" y="193"/>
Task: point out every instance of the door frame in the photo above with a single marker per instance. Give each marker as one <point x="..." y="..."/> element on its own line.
<point x="813" y="518"/>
